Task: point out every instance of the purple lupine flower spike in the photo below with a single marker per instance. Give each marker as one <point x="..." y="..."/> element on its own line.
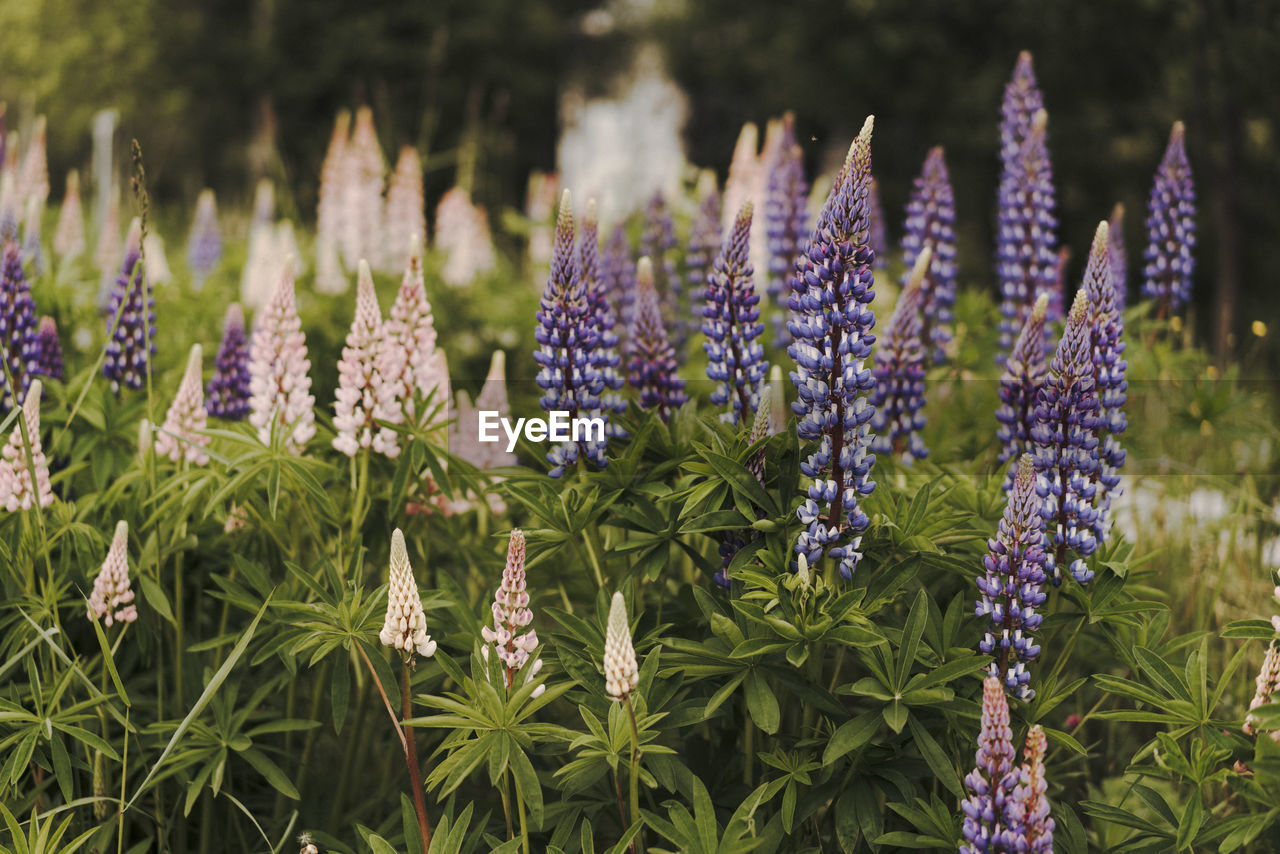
<point x="786" y="223"/>
<point x="131" y="319"/>
<point x="992" y="782"/>
<point x="704" y="239"/>
<point x="1029" y="806"/>
<point x="1022" y="100"/>
<point x="1119" y="256"/>
<point x="731" y="323"/>
<point x="1065" y="435"/>
<point x="1027" y="251"/>
<point x="228" y="389"/>
<point x="18" y="337"/>
<point x="931" y="215"/>
<point x="204" y="246"/>
<point x="1024" y="374"/>
<point x="567" y="354"/>
<point x="652" y="366"/>
<point x="618" y="279"/>
<point x="49" y="350"/>
<point x="1106" y="331"/>
<point x="1171" y="229"/>
<point x="1012" y="586"/>
<point x="601" y="318"/>
<point x="898" y="397"/>
<point x="879" y="232"/>
<point x="831" y="294"/>
<point x="657" y="242"/>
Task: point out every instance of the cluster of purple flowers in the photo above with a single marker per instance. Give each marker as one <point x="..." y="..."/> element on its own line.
<point x="49" y="350"/>
<point x="786" y="221"/>
<point x="898" y="397"/>
<point x="1106" y="328"/>
<point x="18" y="338"/>
<point x="1007" y="811"/>
<point x="930" y="222"/>
<point x="601" y="319"/>
<point x="652" y="368"/>
<point x="1012" y="587"/>
<point x="704" y="241"/>
<point x="1024" y="374"/>
<point x="572" y="364"/>
<point x="658" y="242"/>
<point x="228" y="388"/>
<point x="1066" y="438"/>
<point x="618" y="279"/>
<point x="1171" y="229"/>
<point x="1026" y="251"/>
<point x="131" y="319"/>
<point x="831" y="294"/>
<point x="731" y="323"/>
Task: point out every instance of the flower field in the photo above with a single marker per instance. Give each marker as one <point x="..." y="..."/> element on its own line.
<point x="863" y="556"/>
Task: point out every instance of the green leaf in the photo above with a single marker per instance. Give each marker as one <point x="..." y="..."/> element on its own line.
<point x="527" y="784"/>
<point x="895" y="715"/>
<point x="850" y="736"/>
<point x="943" y="771"/>
<point x="340" y="691"/>
<point x="108" y="661"/>
<point x="1190" y="823"/>
<point x="153" y="594"/>
<point x="911" y="634"/>
<point x="761" y="703"/>
<point x="270" y="772"/>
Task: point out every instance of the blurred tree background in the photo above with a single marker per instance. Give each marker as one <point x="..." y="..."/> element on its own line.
<point x="221" y="91"/>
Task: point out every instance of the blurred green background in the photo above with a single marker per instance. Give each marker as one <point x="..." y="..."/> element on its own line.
<point x="199" y="82"/>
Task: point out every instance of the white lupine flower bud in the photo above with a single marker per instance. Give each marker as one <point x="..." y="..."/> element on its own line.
<point x="621" y="675"/>
<point x="363" y="396"/>
<point x="184" y="425"/>
<point x="405" y="626"/>
<point x="279" y="387"/>
<point x="112" y="596"/>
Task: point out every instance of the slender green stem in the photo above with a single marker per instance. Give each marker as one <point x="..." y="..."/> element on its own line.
<point x="411" y="757"/>
<point x="748" y="737"/>
<point x="524" y="824"/>
<point x="124" y="776"/>
<point x="504" y="790"/>
<point x="636" y="753"/>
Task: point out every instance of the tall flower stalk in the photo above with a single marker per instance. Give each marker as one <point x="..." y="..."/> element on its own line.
<point x="19" y="342"/>
<point x="1106" y="331"/>
<point x="568" y="355"/>
<point x="1119" y="256"/>
<point x="651" y="360"/>
<point x="131" y="314"/>
<point x="898" y="397"/>
<point x="48" y="350"/>
<point x="1171" y="230"/>
<point x="1027" y="245"/>
<point x="112" y="598"/>
<point x="204" y="245"/>
<point x="1024" y="374"/>
<point x="731" y="324"/>
<point x="704" y="238"/>
<point x="622" y="677"/>
<point x="658" y="243"/>
<point x="228" y="389"/>
<point x="279" y="385"/>
<point x="831" y="295"/>
<point x="182" y="436"/>
<point x="24" y="470"/>
<point x="930" y="223"/>
<point x="513" y="645"/>
<point x="786" y="222"/>
<point x="1011" y="588"/>
<point x="1065" y="435"/>
<point x="601" y="319"/>
<point x="618" y="279"/>
<point x="363" y="397"/>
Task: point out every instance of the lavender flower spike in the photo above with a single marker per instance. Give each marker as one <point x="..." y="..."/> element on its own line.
<point x="1012" y="586"/>
<point x="658" y="243"/>
<point x="1106" y="326"/>
<point x="831" y="295"/>
<point x="204" y="246"/>
<point x="48" y="350"/>
<point x="879" y="233"/>
<point x="228" y="389"/>
<point x="1065" y="435"/>
<point x="1119" y="256"/>
<point x="898" y="396"/>
<point x="131" y="315"/>
<point x="604" y="356"/>
<point x="930" y="221"/>
<point x="1027" y="250"/>
<point x="704" y="237"/>
<point x="731" y="322"/>
<point x="1171" y="229"/>
<point x="1024" y="374"/>
<point x="182" y="435"/>
<point x="567" y="352"/>
<point x="991" y="783"/>
<point x="786" y="222"/>
<point x="652" y="366"/>
<point x="18" y="339"/>
<point x="618" y="278"/>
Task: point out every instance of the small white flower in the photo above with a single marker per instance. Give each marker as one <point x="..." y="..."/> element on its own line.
<point x="405" y="626"/>
<point x="621" y="676"/>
